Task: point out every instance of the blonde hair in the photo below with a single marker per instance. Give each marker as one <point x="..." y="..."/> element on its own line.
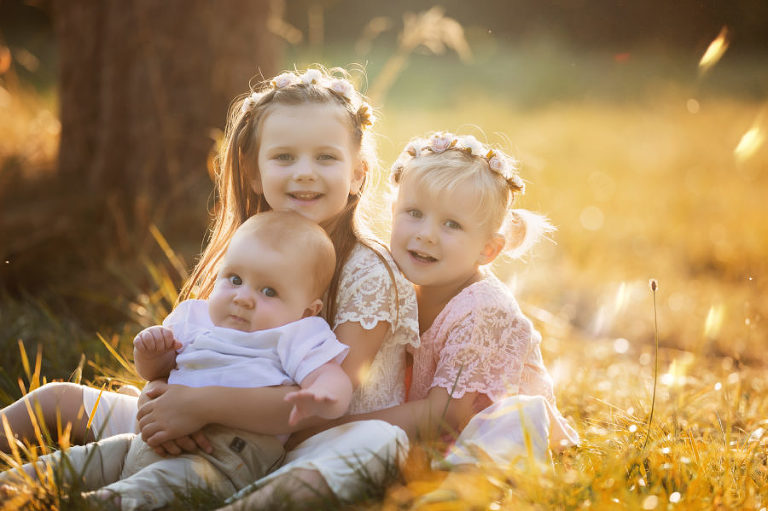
<point x="237" y="166"/>
<point x="446" y="162"/>
<point x="289" y="233"/>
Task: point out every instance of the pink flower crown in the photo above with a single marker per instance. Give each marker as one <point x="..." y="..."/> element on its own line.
<point x="498" y="161"/>
<point x="338" y="86"/>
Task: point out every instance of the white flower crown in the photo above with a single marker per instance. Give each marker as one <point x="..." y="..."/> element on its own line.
<point x="338" y="86"/>
<point x="498" y="162"/>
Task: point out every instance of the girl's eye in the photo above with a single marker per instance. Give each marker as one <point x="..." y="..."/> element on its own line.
<point x="415" y="213"/>
<point x="283" y="157"/>
<point x="235" y="280"/>
<point x="452" y="224"/>
<point x="326" y="157"/>
<point x="269" y="292"/>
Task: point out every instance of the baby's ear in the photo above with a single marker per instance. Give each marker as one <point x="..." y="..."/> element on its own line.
<point x="491" y="249"/>
<point x="313" y="309"/>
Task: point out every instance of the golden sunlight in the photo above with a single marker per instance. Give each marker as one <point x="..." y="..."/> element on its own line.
<point x="750" y="142"/>
<point x="714" y="321"/>
<point x="364" y="373"/>
<point x="715" y="51"/>
<point x="676" y="376"/>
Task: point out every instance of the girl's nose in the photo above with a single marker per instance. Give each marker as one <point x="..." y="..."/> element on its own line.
<point x="244" y="298"/>
<point x="303" y="170"/>
<point x="426" y="233"/>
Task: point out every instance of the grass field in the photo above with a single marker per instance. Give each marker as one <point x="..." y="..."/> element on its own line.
<point x="646" y="175"/>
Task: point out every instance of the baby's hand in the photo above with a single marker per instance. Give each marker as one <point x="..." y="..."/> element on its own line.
<point x="155" y="341"/>
<point x="307" y="403"/>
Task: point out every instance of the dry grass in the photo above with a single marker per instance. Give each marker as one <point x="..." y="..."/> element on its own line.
<point x="651" y="189"/>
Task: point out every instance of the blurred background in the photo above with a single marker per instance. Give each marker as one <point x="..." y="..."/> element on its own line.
<point x="640" y="126"/>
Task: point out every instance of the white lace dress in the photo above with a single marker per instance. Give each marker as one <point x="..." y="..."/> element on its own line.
<point x="368" y="296"/>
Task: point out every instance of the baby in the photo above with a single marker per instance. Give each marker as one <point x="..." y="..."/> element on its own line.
<point x="259" y="327"/>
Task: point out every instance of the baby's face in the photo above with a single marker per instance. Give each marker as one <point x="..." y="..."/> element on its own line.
<point x="258" y="288"/>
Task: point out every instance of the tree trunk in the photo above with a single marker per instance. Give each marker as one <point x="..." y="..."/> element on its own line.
<point x="142" y="84"/>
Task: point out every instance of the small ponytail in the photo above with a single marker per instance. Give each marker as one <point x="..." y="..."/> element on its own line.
<point x="522" y="230"/>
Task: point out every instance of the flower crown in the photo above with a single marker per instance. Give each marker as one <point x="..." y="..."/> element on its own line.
<point x="498" y="162"/>
<point x="340" y="87"/>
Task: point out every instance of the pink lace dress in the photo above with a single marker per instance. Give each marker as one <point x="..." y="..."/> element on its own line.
<point x="481" y="342"/>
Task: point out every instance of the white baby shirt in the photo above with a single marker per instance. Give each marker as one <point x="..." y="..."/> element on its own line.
<point x="218" y="356"/>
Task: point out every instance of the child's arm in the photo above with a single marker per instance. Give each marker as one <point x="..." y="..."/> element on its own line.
<point x="180" y="410"/>
<point x="325" y="392"/>
<point x="154" y="352"/>
<point x="424" y="419"/>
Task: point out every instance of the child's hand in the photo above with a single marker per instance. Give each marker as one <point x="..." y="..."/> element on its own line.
<point x="155" y="341"/>
<point x="309" y="402"/>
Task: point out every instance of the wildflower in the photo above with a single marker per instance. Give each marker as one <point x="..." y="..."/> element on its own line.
<point x="342" y="88"/>
<point x="311" y="76"/>
<point x="284" y="80"/>
<point x="440" y="142"/>
<point x="475" y="147"/>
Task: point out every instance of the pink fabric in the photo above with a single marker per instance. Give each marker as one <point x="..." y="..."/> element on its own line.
<point x="481" y="342"/>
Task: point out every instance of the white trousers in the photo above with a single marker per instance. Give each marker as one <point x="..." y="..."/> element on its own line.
<point x="512" y="432"/>
<point x="342" y="455"/>
<point x="115" y="415"/>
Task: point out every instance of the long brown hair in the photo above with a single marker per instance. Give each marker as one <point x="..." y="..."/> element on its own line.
<point x="237" y="166"/>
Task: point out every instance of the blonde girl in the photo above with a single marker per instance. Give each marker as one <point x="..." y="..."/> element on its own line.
<point x="479" y="368"/>
<point x="300" y="142"/>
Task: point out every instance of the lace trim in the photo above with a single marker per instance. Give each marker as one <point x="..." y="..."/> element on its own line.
<point x="367" y="296"/>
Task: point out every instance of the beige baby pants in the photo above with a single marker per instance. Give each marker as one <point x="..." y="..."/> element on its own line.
<point x="126" y="465"/>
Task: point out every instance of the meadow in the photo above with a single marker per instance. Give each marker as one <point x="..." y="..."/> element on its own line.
<point x="651" y="169"/>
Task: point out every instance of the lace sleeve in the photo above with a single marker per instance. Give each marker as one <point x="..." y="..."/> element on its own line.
<point x="368" y="294"/>
<point x="485" y="351"/>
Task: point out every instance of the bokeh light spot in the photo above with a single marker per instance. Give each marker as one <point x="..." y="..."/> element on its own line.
<point x="592" y="218"/>
<point x="620" y="345"/>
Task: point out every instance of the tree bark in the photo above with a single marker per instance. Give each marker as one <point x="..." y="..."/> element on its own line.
<point x="142" y="85"/>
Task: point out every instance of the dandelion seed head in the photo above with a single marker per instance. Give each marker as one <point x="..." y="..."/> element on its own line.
<point x="654" y="284"/>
